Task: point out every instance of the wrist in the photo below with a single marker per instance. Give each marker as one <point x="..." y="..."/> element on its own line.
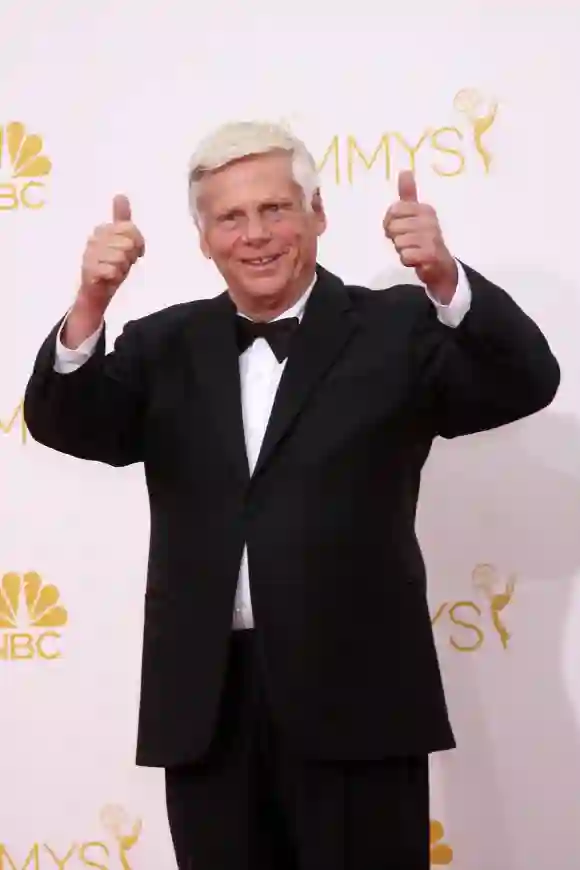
<point x="443" y="289"/>
<point x="83" y="320"/>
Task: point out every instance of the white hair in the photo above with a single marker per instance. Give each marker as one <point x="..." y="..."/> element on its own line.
<point x="240" y="139"/>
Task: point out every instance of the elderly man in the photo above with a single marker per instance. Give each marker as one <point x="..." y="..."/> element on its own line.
<point x="290" y="684"/>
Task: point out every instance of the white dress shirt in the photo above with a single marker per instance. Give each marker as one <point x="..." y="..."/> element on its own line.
<point x="260" y="374"/>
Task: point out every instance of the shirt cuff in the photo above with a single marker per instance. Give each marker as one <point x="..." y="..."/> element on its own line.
<point x="69" y="359"/>
<point x="85" y="349"/>
<point x="453" y="313"/>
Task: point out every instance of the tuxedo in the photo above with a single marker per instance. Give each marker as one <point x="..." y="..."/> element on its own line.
<point x="327" y="515"/>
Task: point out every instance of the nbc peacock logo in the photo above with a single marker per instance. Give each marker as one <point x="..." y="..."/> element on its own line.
<point x="441" y="852"/>
<point x="22" y="168"/>
<point x="30" y="613"/>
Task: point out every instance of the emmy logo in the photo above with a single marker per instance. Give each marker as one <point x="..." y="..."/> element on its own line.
<point x="481" y="116"/>
<point x="485" y="579"/>
<point x="118" y="824"/>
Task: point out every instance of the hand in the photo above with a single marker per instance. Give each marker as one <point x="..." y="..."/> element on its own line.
<point x="109" y="255"/>
<point x="414" y="229"/>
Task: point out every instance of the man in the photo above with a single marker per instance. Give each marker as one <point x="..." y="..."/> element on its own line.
<point x="290" y="684"/>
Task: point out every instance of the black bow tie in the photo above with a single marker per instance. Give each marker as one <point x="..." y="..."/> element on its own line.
<point x="277" y="333"/>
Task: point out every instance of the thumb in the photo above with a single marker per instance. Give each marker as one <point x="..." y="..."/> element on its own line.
<point x="407" y="187"/>
<point x="121" y="209"/>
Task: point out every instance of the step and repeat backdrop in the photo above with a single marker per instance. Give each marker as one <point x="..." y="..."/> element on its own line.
<point x="479" y="99"/>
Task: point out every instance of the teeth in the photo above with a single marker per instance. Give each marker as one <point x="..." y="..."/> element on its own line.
<point x="261" y="261"/>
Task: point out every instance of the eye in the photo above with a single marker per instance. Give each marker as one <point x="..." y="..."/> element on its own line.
<point x="276" y="208"/>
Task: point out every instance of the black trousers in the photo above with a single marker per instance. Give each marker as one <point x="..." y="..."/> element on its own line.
<point x="250" y="804"/>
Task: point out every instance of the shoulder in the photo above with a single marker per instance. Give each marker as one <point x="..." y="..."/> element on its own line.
<point x="173" y="316"/>
<point x="167" y="323"/>
<point x="396" y="300"/>
<point x="400" y="303"/>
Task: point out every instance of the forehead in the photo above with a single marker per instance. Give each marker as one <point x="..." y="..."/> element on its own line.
<point x="248" y="182"/>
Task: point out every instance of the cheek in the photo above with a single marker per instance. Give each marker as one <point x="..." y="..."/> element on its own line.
<point x="222" y="246"/>
<point x="289" y="237"/>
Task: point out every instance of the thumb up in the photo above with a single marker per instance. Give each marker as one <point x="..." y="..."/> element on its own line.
<point x="407" y="187"/>
<point x="413" y="228"/>
<point x="110" y="253"/>
<point x="121" y="209"/>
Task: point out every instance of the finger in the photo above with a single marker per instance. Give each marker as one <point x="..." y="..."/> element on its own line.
<point x="139" y="243"/>
<point x="115" y="241"/>
<point x="407" y="187"/>
<point x="121" y="228"/>
<point x="402" y="209"/>
<point x="121" y="208"/>
<point x="131" y="231"/>
<point x="115" y="256"/>
<point x="416" y="257"/>
<point x="400" y="226"/>
<point x="109" y="232"/>
<point x="105" y="272"/>
<point x="407" y="241"/>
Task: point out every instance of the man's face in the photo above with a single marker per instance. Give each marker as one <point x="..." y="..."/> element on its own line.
<point x="257" y="230"/>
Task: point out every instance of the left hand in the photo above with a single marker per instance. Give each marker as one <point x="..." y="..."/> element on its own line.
<point x="414" y="229"/>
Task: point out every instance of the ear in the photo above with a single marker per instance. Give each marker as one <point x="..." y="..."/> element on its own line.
<point x="319" y="213"/>
<point x="204" y="246"/>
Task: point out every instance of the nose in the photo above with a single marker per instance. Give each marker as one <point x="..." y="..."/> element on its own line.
<point x="256" y="230"/>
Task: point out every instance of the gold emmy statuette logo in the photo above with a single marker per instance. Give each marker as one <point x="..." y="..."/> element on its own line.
<point x="443" y="146"/>
<point x="441" y="853"/>
<point x="16" y="418"/>
<point x="486" y="580"/>
<point x="469" y="615"/>
<point x="21" y="166"/>
<point x="27" y="609"/>
<point x="93" y="853"/>
<point x="481" y="114"/>
<point x="116" y="821"/>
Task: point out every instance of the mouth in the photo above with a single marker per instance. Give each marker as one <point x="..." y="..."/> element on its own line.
<point x="261" y="262"/>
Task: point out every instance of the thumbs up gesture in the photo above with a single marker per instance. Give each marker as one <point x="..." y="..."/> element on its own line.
<point x="109" y="255"/>
<point x="413" y="228"/>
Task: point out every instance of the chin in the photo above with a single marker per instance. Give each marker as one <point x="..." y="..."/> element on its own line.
<point x="268" y="285"/>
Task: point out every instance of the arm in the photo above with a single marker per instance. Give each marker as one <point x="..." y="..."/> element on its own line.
<point x="493" y="368"/>
<point x="79" y="400"/>
<point x="91" y="409"/>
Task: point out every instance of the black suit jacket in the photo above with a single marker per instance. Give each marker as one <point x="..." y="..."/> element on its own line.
<point x="338" y="579"/>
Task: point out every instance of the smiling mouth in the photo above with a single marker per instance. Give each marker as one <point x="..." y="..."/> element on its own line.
<point x="262" y="261"/>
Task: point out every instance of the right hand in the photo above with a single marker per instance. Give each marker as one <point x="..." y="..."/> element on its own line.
<point x="109" y="255"/>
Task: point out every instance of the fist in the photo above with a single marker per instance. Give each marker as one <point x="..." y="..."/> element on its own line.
<point x="413" y="228"/>
<point x="109" y="255"/>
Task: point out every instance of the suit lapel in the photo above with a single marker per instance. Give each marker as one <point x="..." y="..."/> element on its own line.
<point x="213" y="351"/>
<point x="324" y="331"/>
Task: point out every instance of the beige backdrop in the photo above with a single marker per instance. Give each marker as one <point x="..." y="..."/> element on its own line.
<point x="112" y="97"/>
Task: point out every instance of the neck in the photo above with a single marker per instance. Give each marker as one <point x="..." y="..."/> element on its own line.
<point x="268" y="307"/>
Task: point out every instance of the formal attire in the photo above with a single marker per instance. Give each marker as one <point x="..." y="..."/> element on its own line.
<point x="296" y="735"/>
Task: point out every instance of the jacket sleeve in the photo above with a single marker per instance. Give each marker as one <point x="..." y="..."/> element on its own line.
<point x="95" y="412"/>
<point x="494" y="368"/>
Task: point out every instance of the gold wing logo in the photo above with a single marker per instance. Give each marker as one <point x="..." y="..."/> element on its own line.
<point x="441" y="853"/>
<point x="22" y="168"/>
<point x="25" y="600"/>
<point x="23" y="151"/>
